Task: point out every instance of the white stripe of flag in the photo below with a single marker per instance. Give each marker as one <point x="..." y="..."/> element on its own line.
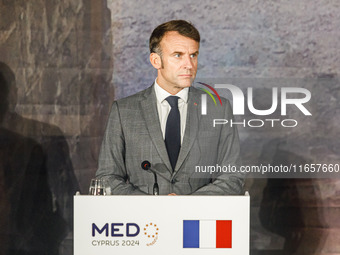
<point x="207" y="233"/>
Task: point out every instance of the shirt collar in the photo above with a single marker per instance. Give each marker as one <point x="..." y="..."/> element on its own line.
<point x="162" y="94"/>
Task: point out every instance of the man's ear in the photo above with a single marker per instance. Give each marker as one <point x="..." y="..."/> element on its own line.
<point x="156" y="60"/>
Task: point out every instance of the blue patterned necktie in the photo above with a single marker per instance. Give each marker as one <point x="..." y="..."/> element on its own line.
<point x="173" y="131"/>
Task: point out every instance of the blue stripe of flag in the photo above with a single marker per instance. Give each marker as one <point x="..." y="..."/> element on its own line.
<point x="191" y="237"/>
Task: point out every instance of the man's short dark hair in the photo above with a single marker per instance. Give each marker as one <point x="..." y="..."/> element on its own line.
<point x="7" y="77"/>
<point x="181" y="26"/>
<point x="4" y="81"/>
<point x="7" y="83"/>
<point x="4" y="91"/>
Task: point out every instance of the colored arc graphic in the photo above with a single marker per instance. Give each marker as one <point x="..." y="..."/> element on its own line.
<point x="210" y="87"/>
<point x="207" y="91"/>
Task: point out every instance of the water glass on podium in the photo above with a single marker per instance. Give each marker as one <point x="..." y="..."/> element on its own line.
<point x="97" y="188"/>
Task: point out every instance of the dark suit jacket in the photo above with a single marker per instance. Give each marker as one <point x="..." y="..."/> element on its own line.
<point x="28" y="223"/>
<point x="133" y="134"/>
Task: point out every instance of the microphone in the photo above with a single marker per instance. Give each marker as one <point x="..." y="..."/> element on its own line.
<point x="146" y="165"/>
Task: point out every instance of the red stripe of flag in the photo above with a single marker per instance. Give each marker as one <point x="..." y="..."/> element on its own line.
<point x="223" y="233"/>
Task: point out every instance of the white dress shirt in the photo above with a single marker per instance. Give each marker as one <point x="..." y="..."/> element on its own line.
<point x="164" y="107"/>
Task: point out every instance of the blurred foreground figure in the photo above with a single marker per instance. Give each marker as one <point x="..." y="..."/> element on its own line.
<point x="36" y="179"/>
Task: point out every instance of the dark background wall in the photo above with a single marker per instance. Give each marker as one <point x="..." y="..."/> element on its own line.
<point x="71" y="59"/>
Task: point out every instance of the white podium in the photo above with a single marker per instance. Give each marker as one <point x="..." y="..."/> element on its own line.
<point x="187" y="225"/>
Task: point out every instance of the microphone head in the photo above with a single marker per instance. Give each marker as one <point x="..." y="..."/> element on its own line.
<point x="146" y="165"/>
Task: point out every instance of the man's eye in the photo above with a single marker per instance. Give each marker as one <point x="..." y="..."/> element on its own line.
<point x="193" y="55"/>
<point x="177" y="55"/>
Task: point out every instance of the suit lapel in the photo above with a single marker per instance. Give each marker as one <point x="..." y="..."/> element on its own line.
<point x="149" y="108"/>
<point x="191" y="127"/>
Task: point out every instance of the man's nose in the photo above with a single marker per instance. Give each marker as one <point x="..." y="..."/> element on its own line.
<point x="188" y="62"/>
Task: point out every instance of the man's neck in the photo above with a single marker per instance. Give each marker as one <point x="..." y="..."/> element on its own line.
<point x="7" y="119"/>
<point x="171" y="90"/>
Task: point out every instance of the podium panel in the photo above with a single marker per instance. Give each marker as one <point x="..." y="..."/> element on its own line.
<point x="181" y="225"/>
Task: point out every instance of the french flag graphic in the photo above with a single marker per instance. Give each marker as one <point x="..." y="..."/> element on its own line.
<point x="207" y="233"/>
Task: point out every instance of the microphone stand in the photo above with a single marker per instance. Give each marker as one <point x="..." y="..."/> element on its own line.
<point x="146" y="165"/>
<point x="155" y="188"/>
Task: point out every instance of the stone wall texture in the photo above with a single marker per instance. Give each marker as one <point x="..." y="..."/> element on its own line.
<point x="72" y="58"/>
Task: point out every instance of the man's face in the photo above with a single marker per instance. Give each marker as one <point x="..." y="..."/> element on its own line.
<point x="178" y="63"/>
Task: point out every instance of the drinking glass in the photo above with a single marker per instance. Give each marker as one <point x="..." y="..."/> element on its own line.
<point x="97" y="188"/>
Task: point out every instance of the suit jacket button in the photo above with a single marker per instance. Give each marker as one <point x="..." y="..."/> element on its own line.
<point x="173" y="181"/>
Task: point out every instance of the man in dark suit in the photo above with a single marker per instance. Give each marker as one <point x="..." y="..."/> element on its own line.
<point x="28" y="223"/>
<point x="163" y="124"/>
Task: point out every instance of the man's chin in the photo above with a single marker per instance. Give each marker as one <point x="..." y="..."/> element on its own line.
<point x="186" y="84"/>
